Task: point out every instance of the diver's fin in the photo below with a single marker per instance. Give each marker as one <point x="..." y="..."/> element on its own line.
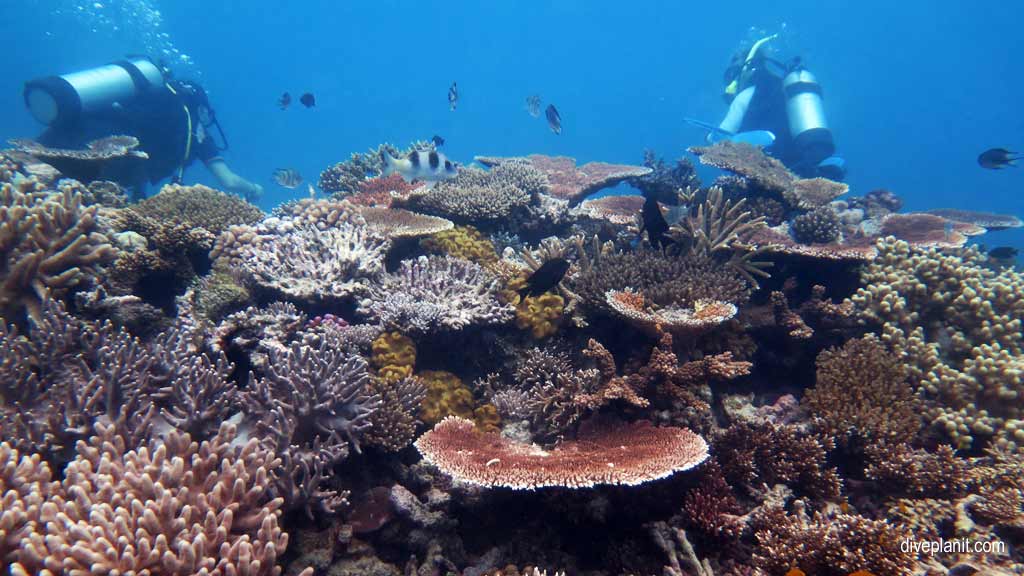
<point x="720" y="132"/>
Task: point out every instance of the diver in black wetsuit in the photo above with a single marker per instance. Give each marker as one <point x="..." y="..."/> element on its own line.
<point x="172" y="120"/>
<point x="784" y="99"/>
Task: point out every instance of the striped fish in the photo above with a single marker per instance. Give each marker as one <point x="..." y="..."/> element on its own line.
<point x="287" y="177"/>
<point x="429" y="165"/>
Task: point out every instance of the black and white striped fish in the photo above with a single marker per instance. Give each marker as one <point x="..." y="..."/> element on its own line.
<point x="429" y="165"/>
<point x="287" y="177"/>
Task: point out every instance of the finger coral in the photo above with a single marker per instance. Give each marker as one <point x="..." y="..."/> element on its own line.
<point x="49" y="244"/>
<point x="436" y="294"/>
<point x="610" y="453"/>
<point x="184" y="507"/>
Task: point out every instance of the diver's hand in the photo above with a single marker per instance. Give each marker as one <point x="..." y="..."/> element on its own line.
<point x="249" y="191"/>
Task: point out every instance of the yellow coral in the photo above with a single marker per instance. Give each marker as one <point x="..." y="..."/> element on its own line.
<point x="540" y="315"/>
<point x="486" y="418"/>
<point x="446" y="395"/>
<point x="394" y="355"/>
<point x="463" y="242"/>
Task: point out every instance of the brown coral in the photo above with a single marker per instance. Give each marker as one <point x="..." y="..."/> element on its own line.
<point x="862" y="391"/>
<point x="570" y="182"/>
<point x="198" y="206"/>
<point x="610" y="453"/>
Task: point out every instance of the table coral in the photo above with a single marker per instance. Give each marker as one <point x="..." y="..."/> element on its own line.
<point x="566" y="180"/>
<point x="607" y="453"/>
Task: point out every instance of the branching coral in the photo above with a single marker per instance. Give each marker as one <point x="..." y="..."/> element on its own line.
<point x="568" y="181"/>
<point x="605" y="453"/>
<point x="49" y="244"/>
<point x="393" y="425"/>
<point x="862" y="391"/>
<point x="957" y="326"/>
<point x="769" y="454"/>
<point x="173" y="507"/>
<point x="829" y="545"/>
<point x="436" y="294"/>
<point x="317" y="265"/>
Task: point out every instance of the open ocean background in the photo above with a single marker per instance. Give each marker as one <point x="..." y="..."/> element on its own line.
<point x="915" y="90"/>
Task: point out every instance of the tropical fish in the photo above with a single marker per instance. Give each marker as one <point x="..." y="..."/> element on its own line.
<point x="545" y="278"/>
<point x="284" y="101"/>
<point x="308" y="100"/>
<point x="453" y="96"/>
<point x="1003" y="253"/>
<point x="554" y="120"/>
<point x="429" y="165"/>
<point x="437" y="140"/>
<point x="287" y="177"/>
<point x="654" y="223"/>
<point x="533" y="105"/>
<point x="997" y="158"/>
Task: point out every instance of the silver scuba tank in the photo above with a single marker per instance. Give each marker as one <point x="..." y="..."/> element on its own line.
<point x="806" y="112"/>
<point x="60" y="100"/>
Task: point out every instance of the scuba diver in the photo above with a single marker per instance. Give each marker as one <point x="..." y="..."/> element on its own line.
<point x="782" y="101"/>
<point x="172" y="120"/>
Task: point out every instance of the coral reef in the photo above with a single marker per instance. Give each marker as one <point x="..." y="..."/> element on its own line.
<point x="664" y="182"/>
<point x="198" y="206"/>
<point x="394" y="355"/>
<point x="381" y="191"/>
<point x="397" y="223"/>
<point x="541" y="315"/>
<point x="392" y="426"/>
<point x="986" y="220"/>
<point x="606" y="453"/>
<point x="566" y="181"/>
<point x="621" y="210"/>
<point x="436" y="294"/>
<point x="346" y="178"/>
<point x="99" y="158"/>
<point x="749" y="162"/>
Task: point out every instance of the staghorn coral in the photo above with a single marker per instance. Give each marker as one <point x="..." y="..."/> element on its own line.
<point x="862" y="391"/>
<point x="541" y="315"/>
<point x="916" y="472"/>
<point x="463" y="242"/>
<point x="819" y="226"/>
<point x="957" y="327"/>
<point x="829" y="544"/>
<point x="752" y="455"/>
<point x="480" y="196"/>
<point x="50" y="244"/>
<point x="199" y="207"/>
<point x="393" y="425"/>
<point x="566" y="181"/>
<point x="184" y="507"/>
<point x="317" y="265"/>
<point x="604" y="453"/>
<point x="26" y="487"/>
<point x="436" y="294"/>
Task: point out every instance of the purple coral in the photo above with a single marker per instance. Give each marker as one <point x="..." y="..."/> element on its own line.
<point x="435" y="294"/>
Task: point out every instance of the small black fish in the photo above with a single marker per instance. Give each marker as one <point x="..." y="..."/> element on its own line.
<point x="308" y="100"/>
<point x="284" y="101"/>
<point x="554" y="120"/>
<point x="1003" y="253"/>
<point x="453" y="96"/>
<point x="545" y="278"/>
<point x="654" y="223"/>
<point x="996" y="158"/>
<point x="437" y="140"/>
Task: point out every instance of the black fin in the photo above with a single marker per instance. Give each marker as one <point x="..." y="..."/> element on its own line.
<point x="414" y="157"/>
<point x="435" y="160"/>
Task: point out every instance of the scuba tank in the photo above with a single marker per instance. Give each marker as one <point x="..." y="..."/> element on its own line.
<point x="806" y="113"/>
<point x="61" y="100"/>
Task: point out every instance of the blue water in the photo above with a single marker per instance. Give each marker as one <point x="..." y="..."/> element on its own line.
<point x="914" y="89"/>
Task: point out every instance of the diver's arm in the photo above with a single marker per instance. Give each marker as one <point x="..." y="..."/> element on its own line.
<point x="231" y="181"/>
<point x="734" y="117"/>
